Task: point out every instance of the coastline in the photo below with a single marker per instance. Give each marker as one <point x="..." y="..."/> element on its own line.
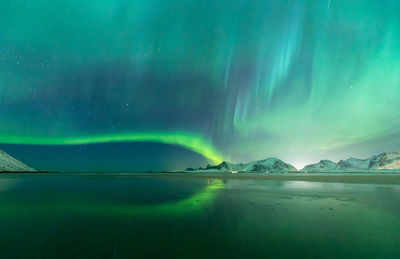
<point x="362" y="178"/>
<point x="353" y="178"/>
<point x="27" y="172"/>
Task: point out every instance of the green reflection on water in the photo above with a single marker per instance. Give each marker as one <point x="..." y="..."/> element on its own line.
<point x="195" y="203"/>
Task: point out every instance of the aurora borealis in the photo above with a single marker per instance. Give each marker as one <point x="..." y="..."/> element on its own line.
<point x="231" y="80"/>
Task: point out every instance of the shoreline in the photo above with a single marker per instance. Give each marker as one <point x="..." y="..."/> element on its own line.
<point x="27" y="172"/>
<point x="354" y="178"/>
<point x="362" y="178"/>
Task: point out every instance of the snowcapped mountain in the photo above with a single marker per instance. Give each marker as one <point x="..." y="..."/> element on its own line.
<point x="322" y="166"/>
<point x="269" y="165"/>
<point x="10" y="164"/>
<point x="353" y="164"/>
<point x="384" y="161"/>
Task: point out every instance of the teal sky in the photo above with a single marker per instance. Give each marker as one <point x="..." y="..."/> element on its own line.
<point x="229" y="80"/>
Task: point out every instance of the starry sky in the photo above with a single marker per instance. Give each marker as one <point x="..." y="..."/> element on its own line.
<point x="122" y="85"/>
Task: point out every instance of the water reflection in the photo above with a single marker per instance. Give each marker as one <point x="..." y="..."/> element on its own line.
<point x="128" y="216"/>
<point x="166" y="201"/>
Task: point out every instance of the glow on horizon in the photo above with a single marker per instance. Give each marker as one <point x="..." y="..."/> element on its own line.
<point x="189" y="141"/>
<point x="297" y="80"/>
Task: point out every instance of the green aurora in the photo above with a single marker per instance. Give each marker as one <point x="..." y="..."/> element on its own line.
<point x="191" y="142"/>
<point x="231" y="80"/>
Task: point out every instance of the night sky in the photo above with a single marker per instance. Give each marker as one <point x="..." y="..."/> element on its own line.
<point x="123" y="85"/>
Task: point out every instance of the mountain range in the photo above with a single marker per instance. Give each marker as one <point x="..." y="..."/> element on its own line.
<point x="10" y="164"/>
<point x="269" y="165"/>
<point x="389" y="161"/>
<point x="383" y="161"/>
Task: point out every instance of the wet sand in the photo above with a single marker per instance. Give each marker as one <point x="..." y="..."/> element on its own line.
<point x="362" y="178"/>
<point x="365" y="178"/>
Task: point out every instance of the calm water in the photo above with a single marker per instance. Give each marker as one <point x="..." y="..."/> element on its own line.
<point x="123" y="215"/>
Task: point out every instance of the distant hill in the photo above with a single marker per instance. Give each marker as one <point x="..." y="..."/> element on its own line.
<point x="389" y="161"/>
<point x="10" y="164"/>
<point x="322" y="166"/>
<point x="269" y="165"/>
<point x="384" y="161"/>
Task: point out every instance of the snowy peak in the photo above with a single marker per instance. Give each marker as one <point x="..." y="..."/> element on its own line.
<point x="353" y="164"/>
<point x="272" y="165"/>
<point x="384" y="161"/>
<point x="10" y="164"/>
<point x="322" y="166"/>
<point x="269" y="165"/>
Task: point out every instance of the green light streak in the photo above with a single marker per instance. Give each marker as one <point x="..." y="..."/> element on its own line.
<point x="299" y="80"/>
<point x="189" y="141"/>
<point x="195" y="203"/>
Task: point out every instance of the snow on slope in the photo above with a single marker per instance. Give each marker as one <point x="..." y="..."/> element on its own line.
<point x="10" y="164"/>
<point x="269" y="165"/>
<point x="353" y="164"/>
<point x="322" y="166"/>
<point x="384" y="161"/>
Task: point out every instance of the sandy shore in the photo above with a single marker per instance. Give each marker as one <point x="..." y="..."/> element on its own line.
<point x="362" y="178"/>
<point x="371" y="178"/>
